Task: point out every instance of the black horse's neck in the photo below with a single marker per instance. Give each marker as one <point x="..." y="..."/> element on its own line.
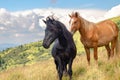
<point x="64" y="36"/>
<point x="62" y="40"/>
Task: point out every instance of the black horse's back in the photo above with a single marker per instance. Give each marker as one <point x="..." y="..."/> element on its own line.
<point x="64" y="49"/>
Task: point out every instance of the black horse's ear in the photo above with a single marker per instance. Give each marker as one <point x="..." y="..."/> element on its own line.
<point x="44" y="21"/>
<point x="53" y="18"/>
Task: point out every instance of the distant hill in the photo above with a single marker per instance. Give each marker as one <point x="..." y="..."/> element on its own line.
<point x="6" y="45"/>
<point x="116" y="20"/>
<point x="23" y="54"/>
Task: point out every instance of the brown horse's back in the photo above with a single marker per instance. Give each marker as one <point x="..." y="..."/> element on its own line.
<point x="108" y="24"/>
<point x="106" y="29"/>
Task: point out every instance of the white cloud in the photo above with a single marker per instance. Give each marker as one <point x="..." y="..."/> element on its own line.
<point x="2" y="28"/>
<point x="18" y="35"/>
<point x="19" y="26"/>
<point x="32" y="27"/>
<point x="27" y="26"/>
<point x="115" y="11"/>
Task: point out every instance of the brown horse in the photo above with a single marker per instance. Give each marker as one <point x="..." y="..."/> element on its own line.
<point x="94" y="35"/>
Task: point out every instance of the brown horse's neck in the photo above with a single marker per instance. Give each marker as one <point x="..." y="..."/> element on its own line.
<point x="83" y="28"/>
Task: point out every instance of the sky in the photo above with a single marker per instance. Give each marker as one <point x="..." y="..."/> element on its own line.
<point x="16" y="5"/>
<point x="21" y="20"/>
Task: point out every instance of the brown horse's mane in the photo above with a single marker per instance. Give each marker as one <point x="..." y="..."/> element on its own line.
<point x="85" y="22"/>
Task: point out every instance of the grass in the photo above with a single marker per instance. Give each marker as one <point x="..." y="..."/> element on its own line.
<point x="45" y="70"/>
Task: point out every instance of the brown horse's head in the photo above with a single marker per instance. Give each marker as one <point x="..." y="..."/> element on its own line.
<point x="74" y="22"/>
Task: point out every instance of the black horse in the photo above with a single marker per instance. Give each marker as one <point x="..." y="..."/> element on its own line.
<point x="64" y="49"/>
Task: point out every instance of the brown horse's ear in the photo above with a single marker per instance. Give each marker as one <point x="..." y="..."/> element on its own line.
<point x="69" y="15"/>
<point x="76" y="14"/>
<point x="44" y="21"/>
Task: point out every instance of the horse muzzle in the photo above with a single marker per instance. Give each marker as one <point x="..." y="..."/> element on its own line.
<point x="45" y="45"/>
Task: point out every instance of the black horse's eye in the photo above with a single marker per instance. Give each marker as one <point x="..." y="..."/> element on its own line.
<point x="52" y="30"/>
<point x="54" y="22"/>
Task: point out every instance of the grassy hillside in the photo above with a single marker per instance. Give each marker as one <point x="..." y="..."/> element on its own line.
<point x="116" y="20"/>
<point x="23" y="55"/>
<point x="45" y="70"/>
<point x="33" y="62"/>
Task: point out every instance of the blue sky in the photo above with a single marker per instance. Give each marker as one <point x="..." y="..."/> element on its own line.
<point x="16" y="5"/>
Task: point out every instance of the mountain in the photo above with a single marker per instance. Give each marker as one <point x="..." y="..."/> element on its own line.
<point x="23" y="54"/>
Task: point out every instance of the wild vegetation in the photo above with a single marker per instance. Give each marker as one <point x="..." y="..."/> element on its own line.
<point x="33" y="62"/>
<point x="23" y="55"/>
<point x="45" y="70"/>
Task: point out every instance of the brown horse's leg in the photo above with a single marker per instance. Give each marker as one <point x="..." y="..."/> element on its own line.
<point x="108" y="50"/>
<point x="95" y="54"/>
<point x="88" y="54"/>
<point x="113" y="45"/>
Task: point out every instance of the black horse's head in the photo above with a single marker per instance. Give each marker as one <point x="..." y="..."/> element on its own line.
<point x="52" y="31"/>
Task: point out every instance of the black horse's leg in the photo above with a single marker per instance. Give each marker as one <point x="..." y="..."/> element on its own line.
<point x="70" y="68"/>
<point x="65" y="69"/>
<point x="60" y="68"/>
<point x="56" y="63"/>
<point x="57" y="67"/>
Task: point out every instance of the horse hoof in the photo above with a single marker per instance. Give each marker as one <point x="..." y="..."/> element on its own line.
<point x="65" y="73"/>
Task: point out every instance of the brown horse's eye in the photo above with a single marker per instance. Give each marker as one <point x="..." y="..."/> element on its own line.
<point x="75" y="22"/>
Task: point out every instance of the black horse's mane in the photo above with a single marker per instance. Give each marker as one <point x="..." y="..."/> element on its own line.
<point x="59" y="24"/>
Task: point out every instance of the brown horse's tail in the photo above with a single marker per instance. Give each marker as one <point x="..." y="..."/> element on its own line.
<point x="118" y="44"/>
